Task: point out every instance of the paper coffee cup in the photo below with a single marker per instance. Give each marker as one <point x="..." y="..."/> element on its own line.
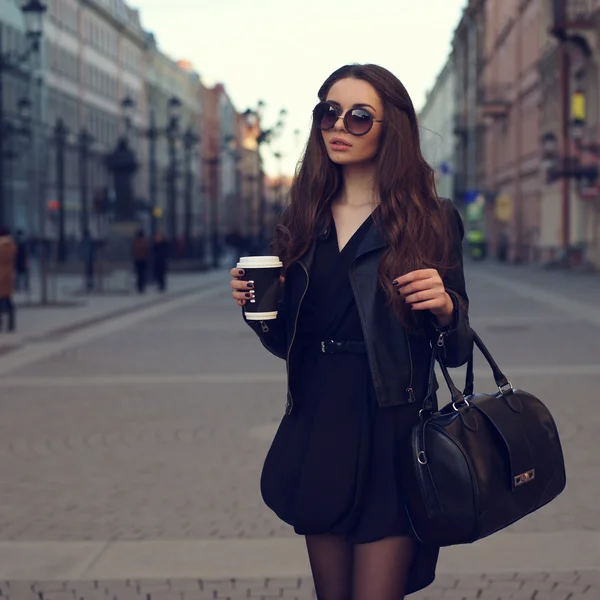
<point x="264" y="272"/>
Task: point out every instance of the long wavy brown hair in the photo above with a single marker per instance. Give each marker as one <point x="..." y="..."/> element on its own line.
<point x="409" y="216"/>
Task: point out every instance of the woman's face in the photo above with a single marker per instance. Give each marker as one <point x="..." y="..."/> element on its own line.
<point x="344" y="148"/>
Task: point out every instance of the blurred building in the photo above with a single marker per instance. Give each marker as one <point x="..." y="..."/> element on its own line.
<point x="466" y="59"/>
<point x="15" y="88"/>
<point x="94" y="58"/>
<point x="524" y="73"/>
<point x="198" y="173"/>
<point x="222" y="150"/>
<point x="510" y="101"/>
<point x="436" y="122"/>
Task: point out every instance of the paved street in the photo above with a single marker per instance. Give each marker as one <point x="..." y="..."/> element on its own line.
<point x="131" y="449"/>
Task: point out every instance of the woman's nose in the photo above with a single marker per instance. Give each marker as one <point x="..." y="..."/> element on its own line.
<point x="339" y="124"/>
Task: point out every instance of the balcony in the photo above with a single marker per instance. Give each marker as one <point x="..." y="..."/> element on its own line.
<point x="573" y="15"/>
<point x="493" y="101"/>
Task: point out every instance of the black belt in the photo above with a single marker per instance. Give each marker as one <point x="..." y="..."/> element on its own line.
<point x="331" y="347"/>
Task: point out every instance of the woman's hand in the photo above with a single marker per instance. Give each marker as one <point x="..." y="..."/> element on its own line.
<point x="424" y="290"/>
<point x="242" y="290"/>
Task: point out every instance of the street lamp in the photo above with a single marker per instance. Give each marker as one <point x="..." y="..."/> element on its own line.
<point x="213" y="238"/>
<point x="549" y="150"/>
<point x="172" y="135"/>
<point x="33" y="12"/>
<point x="24" y="110"/>
<point x="190" y="139"/>
<point x="128" y="107"/>
<point x="86" y="139"/>
<point x="60" y="134"/>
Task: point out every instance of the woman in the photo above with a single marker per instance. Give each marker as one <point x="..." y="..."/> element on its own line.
<point x="372" y="277"/>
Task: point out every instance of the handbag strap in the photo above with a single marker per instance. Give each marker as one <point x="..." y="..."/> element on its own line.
<point x="501" y="381"/>
<point x="499" y="377"/>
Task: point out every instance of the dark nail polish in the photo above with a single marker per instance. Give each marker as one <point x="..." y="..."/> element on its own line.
<point x="240" y="272"/>
<point x="395" y="283"/>
<point x="250" y="284"/>
<point x="248" y="295"/>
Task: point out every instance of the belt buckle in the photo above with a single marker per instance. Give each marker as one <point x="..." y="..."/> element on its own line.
<point x="324" y="346"/>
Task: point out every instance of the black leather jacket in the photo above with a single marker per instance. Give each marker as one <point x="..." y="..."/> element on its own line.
<point x="399" y="360"/>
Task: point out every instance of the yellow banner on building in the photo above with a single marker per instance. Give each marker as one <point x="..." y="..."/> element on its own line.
<point x="503" y="208"/>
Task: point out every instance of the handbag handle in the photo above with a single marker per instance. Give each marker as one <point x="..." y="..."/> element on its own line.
<point x="502" y="382"/>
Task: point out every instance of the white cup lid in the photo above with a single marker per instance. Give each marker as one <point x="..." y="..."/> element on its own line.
<point x="258" y="262"/>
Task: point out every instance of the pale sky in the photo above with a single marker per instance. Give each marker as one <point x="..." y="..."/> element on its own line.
<point x="281" y="51"/>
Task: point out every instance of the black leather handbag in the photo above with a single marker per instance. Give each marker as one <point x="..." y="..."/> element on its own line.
<point x="480" y="463"/>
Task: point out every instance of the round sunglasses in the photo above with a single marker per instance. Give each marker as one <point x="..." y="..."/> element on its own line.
<point x="357" y="121"/>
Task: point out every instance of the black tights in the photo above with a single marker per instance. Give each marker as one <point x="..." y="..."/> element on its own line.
<point x="374" y="571"/>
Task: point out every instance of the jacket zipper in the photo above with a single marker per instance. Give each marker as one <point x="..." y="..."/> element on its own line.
<point x="409" y="390"/>
<point x="264" y="326"/>
<point x="440" y="341"/>
<point x="290" y="400"/>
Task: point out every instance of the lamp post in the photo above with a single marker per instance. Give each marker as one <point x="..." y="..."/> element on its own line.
<point x="190" y="139"/>
<point x="213" y="197"/>
<point x="172" y="135"/>
<point x="152" y="134"/>
<point x="172" y="132"/>
<point x="128" y="108"/>
<point x="60" y="136"/>
<point x="33" y="12"/>
<point x="85" y="141"/>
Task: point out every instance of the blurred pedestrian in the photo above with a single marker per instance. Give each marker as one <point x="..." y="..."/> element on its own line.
<point x="372" y="280"/>
<point x="88" y="252"/>
<point x="140" y="252"/>
<point x="160" y="255"/>
<point x="21" y="263"/>
<point x="8" y="253"/>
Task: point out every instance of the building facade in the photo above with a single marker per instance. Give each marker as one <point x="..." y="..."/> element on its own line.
<point x="467" y="60"/>
<point x="15" y="88"/>
<point x="94" y="57"/>
<point x="436" y="122"/>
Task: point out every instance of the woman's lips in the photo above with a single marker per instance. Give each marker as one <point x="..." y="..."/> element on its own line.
<point x="339" y="145"/>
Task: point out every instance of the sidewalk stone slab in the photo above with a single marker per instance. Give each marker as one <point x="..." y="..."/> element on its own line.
<point x="467" y="587"/>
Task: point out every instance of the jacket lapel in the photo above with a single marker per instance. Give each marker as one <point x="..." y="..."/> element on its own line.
<point x="373" y="240"/>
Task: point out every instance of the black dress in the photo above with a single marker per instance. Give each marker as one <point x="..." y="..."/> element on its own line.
<point x="333" y="466"/>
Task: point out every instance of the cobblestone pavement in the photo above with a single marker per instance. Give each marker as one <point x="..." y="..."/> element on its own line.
<point x="506" y="586"/>
<point x="158" y="432"/>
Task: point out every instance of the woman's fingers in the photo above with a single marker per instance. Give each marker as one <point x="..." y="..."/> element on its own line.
<point x="242" y="290"/>
<point x="421" y="285"/>
<point x="242" y="295"/>
<point x="423" y="296"/>
<point x="239" y="284"/>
